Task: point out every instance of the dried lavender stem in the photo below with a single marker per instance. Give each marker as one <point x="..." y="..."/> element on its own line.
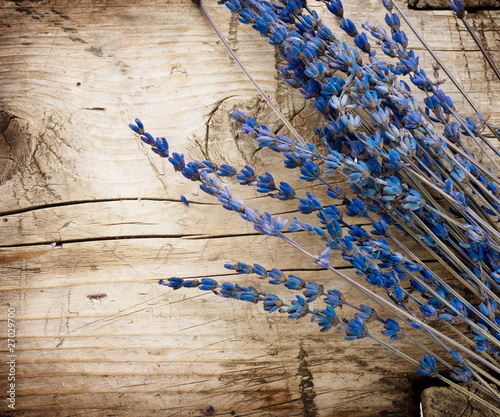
<point x="481" y="48"/>
<point x="395" y="310"/>
<point x="247" y="73"/>
<point x="440" y="63"/>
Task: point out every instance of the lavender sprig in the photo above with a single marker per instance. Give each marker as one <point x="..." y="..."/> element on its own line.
<point x="407" y="167"/>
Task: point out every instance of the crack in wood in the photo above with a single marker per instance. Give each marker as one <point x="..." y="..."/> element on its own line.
<point x="233" y="32"/>
<point x="204" y="147"/>
<point x="95" y="201"/>
<point x="306" y="386"/>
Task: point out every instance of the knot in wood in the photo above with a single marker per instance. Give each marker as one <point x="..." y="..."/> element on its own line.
<point x="14" y="144"/>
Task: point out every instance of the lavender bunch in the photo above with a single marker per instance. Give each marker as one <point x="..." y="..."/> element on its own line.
<point x="409" y="168"/>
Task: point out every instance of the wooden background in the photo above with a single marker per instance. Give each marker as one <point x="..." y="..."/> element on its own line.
<point x="90" y="219"/>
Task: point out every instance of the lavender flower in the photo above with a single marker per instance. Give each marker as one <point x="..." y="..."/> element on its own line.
<point x="397" y="156"/>
<point x="427" y="366"/>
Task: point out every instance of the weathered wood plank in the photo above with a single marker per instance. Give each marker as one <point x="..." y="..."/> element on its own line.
<point x="95" y="331"/>
<point x="446" y="402"/>
<point x="443" y="4"/>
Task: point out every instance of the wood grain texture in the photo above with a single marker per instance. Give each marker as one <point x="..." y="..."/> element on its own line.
<point x="90" y="220"/>
<point x="443" y="4"/>
<point x="445" y="402"/>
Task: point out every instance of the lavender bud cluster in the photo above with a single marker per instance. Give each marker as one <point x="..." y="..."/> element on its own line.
<point x="407" y="166"/>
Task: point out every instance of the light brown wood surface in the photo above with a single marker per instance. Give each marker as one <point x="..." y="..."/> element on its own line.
<point x="91" y="220"/>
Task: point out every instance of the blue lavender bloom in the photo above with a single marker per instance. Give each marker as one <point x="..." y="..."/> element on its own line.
<point x="334" y="298"/>
<point x="173" y="282"/>
<point x="265" y="184"/>
<point x="335" y="7"/>
<point x="260" y="25"/>
<point x="247" y="175"/>
<point x="391" y="329"/>
<point x="208" y="284"/>
<point x="462" y="373"/>
<point x="315" y="70"/>
<point x="413" y="120"/>
<point x="294" y="283"/>
<point x="419" y="79"/>
<point x="295" y="159"/>
<point x="272" y="303"/>
<point x="457" y="357"/>
<point x="259" y="270"/>
<point x="294" y="7"/>
<point x="401" y="135"/>
<point x="184" y="200"/>
<point x="177" y="160"/>
<point x="249" y="294"/>
<point x="380" y="227"/>
<point x="190" y="283"/>
<point x="356" y="330"/>
<point x="138" y="127"/>
<point x="325" y="33"/>
<point x="392" y="21"/>
<point x="207" y="166"/>
<point x="469" y="126"/>
<point x="397" y="295"/>
<point x="270" y="225"/>
<point x="191" y="171"/>
<point x="415" y="325"/>
<point x="226" y="170"/>
<point x="148" y="139"/>
<point x="326" y="319"/>
<point x="401" y="38"/>
<point x="312" y="202"/>
<point x="240" y="267"/>
<point x="239" y="116"/>
<point x="452" y="132"/>
<point x="417" y="286"/>
<point x="286" y="192"/>
<point x="388" y="5"/>
<point x="265" y="140"/>
<point x="333" y="162"/>
<point x="250" y="215"/>
<point x="298" y="309"/>
<point x="349" y="27"/>
<point x="228" y="289"/>
<point x="209" y="410"/>
<point x="365" y="313"/>
<point x="313" y="290"/>
<point x="362" y="43"/>
<point x="427" y="367"/>
<point x="322" y="260"/>
<point x="225" y="196"/>
<point x="160" y="146"/>
<point x="246" y="16"/>
<point x="356" y="208"/>
<point x="482" y="343"/>
<point x="496" y="276"/>
<point x="210" y="185"/>
<point x="233" y="5"/>
<point x="310" y="171"/>
<point x="297" y="225"/>
<point x="427" y="310"/>
<point x="276" y="276"/>
<point x="458" y="8"/>
<point x="278" y="35"/>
